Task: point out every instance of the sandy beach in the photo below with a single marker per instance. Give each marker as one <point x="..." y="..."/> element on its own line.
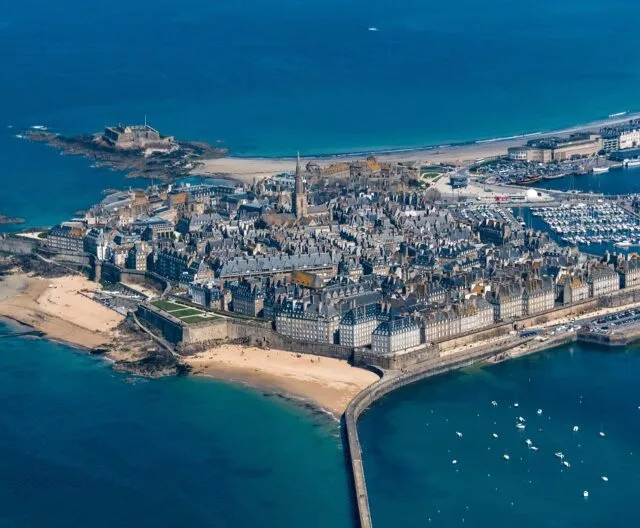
<point x="248" y="169"/>
<point x="329" y="383"/>
<point x="59" y="308"/>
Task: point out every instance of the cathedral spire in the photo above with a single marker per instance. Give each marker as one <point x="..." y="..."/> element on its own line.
<point x="299" y="194"/>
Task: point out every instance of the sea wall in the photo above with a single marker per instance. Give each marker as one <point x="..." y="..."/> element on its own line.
<point x="389" y="383"/>
<point x="17" y="245"/>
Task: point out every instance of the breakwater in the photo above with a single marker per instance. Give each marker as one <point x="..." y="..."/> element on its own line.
<point x="390" y="381"/>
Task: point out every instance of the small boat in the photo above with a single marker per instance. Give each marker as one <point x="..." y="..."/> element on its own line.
<point x="516" y="404"/>
<point x="494" y="403"/>
<point x="505" y="456"/>
<point x="520" y="426"/>
<point x="624" y="243"/>
<point x="528" y="442"/>
<point x="521" y="419"/>
<point x="575" y="428"/>
<point x="602" y="434"/>
<point x="585" y="494"/>
<point x="560" y="455"/>
<point x="459" y="434"/>
<point x="374" y="29"/>
<point x="495" y="435"/>
<point x="454" y="461"/>
<point x="566" y="464"/>
<point x="533" y="448"/>
<point x="539" y="411"/>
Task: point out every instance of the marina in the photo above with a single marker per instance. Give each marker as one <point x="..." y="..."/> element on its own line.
<point x="587" y="223"/>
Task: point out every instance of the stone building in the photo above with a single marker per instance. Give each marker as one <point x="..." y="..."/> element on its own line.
<point x="64" y="238"/>
<point x="630" y="273"/>
<point x="603" y="281"/>
<point x="507" y="302"/>
<point x="537" y="298"/>
<point x="395" y="335"/>
<point x="248" y="298"/>
<point x="136" y="137"/>
<point x="137" y="257"/>
<point x="316" y="322"/>
<point x="572" y="289"/>
<point x="172" y="264"/>
<point x="357" y="325"/>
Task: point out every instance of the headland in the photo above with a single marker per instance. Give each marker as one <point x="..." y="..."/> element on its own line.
<point x="312" y="281"/>
<point x="139" y="150"/>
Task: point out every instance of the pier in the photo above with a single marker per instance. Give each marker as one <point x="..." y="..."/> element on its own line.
<point x="390" y="381"/>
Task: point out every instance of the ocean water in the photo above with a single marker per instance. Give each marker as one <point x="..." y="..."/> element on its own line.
<point x="619" y="181"/>
<point x="270" y="78"/>
<point x="85" y="446"/>
<point x="409" y="443"/>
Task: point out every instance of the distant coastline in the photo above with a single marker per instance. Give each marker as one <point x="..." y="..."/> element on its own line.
<point x="401" y="152"/>
<point x="248" y="168"/>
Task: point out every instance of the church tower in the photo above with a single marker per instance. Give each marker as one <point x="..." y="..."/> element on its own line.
<point x="299" y="194"/>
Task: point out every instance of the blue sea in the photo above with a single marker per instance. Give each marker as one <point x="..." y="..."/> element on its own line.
<point x="269" y="78"/>
<point x="409" y="444"/>
<point x="83" y="445"/>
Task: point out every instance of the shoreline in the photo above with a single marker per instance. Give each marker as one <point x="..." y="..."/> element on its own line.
<point x="245" y="168"/>
<point x="39" y="303"/>
<point x="326" y="383"/>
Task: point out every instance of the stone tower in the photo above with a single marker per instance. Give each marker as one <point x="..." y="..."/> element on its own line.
<point x="299" y="194"/>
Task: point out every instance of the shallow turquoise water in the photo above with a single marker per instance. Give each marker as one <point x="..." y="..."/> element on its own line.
<point x="83" y="446"/>
<point x="409" y="443"/>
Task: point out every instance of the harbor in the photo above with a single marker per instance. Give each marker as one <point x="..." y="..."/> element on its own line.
<point x="591" y="223"/>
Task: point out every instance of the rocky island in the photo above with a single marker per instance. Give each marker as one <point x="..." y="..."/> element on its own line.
<point x="9" y="220"/>
<point x="140" y="150"/>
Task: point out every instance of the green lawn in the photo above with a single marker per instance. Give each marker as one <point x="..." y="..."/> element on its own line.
<point x="185" y="312"/>
<point x="168" y="306"/>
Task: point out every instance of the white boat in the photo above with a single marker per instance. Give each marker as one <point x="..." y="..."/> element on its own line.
<point x="521" y="419"/>
<point x="505" y="456"/>
<point x="533" y="448"/>
<point x="600" y="170"/>
<point x="601" y="433"/>
<point x="520" y="426"/>
<point x="575" y="428"/>
<point x="585" y="494"/>
<point x="494" y="403"/>
<point x="516" y="404"/>
<point x="374" y="29"/>
<point x="459" y="434"/>
<point x="539" y="411"/>
<point x="566" y="464"/>
<point x="632" y="163"/>
<point x="604" y="479"/>
<point x="495" y="435"/>
<point x="624" y="243"/>
<point x="560" y="455"/>
<point x="454" y="461"/>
